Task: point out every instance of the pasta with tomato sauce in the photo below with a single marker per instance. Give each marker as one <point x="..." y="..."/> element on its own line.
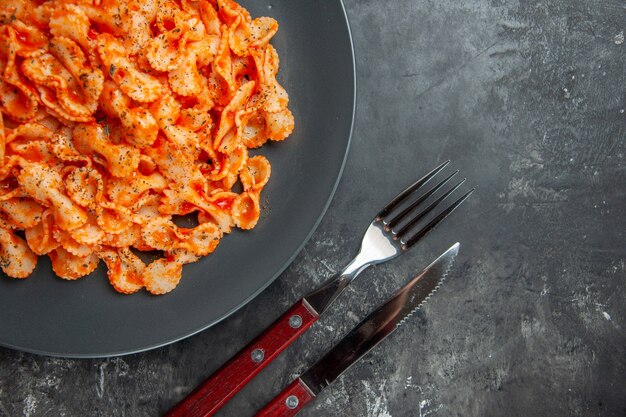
<point x="116" y="116"/>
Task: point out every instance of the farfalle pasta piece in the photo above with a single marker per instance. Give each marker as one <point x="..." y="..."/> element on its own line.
<point x="139" y="86"/>
<point x="31" y="142"/>
<point x="162" y="234"/>
<point x="53" y="107"/>
<point x="182" y="256"/>
<point x="279" y="125"/>
<point x="198" y="118"/>
<point x="84" y="186"/>
<point x="226" y="137"/>
<point x="244" y="34"/>
<point x="217" y="164"/>
<point x="70" y="21"/>
<point x="8" y="186"/>
<point x="22" y="212"/>
<point x="40" y="15"/>
<point x="35" y="151"/>
<point x="120" y="160"/>
<point x="45" y="119"/>
<point x="206" y="50"/>
<point x="169" y="17"/>
<point x="243" y="69"/>
<point x="146" y="208"/>
<point x="237" y="159"/>
<point x="8" y="169"/>
<point x="162" y="276"/>
<point x="219" y="90"/>
<point x="89" y="234"/>
<point x="177" y="166"/>
<point x="64" y="149"/>
<point x="190" y="185"/>
<point x="57" y="86"/>
<point x="89" y="79"/>
<point x="114" y="218"/>
<point x="130" y="237"/>
<point x="39" y="237"/>
<point x="219" y="210"/>
<point x="183" y="138"/>
<point x="140" y="126"/>
<point x="17" y="260"/>
<point x="230" y="10"/>
<point x="273" y="96"/>
<point x="18" y="98"/>
<point x="167" y="111"/>
<point x="263" y="30"/>
<point x="105" y="18"/>
<point x="253" y="128"/>
<point x="29" y="40"/>
<point x="185" y="79"/>
<point x="127" y="192"/>
<point x="45" y="185"/>
<point x="147" y="165"/>
<point x="174" y="202"/>
<point x="246" y="210"/>
<point x="28" y="132"/>
<point x="210" y="18"/>
<point x="200" y="240"/>
<point x="12" y="9"/>
<point x="240" y="36"/>
<point x="72" y="267"/>
<point x="163" y="52"/>
<point x="149" y="9"/>
<point x="223" y="64"/>
<point x="125" y="269"/>
<point x="51" y="79"/>
<point x="68" y="243"/>
<point x="256" y="173"/>
<point x="137" y="27"/>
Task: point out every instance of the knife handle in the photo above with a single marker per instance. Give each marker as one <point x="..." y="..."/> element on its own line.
<point x="212" y="394"/>
<point x="289" y="402"/>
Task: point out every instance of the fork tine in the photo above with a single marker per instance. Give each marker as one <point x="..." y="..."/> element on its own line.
<point x="391" y="224"/>
<point x="417" y="184"/>
<point x="424" y="212"/>
<point x="435" y="222"/>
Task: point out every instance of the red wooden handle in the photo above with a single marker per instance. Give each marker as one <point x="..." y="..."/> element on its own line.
<point x="209" y="397"/>
<point x="289" y="402"/>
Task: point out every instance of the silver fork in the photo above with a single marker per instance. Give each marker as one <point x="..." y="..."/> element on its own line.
<point x="388" y="236"/>
<point x="384" y="240"/>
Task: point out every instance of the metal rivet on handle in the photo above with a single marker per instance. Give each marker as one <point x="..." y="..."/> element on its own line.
<point x="257" y="355"/>
<point x="295" y="321"/>
<point x="292" y="402"/>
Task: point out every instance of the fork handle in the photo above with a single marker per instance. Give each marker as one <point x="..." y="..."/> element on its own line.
<point x="212" y="394"/>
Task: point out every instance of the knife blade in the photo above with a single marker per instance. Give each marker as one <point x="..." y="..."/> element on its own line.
<point x="363" y="338"/>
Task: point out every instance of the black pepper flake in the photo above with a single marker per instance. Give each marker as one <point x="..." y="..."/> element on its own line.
<point x="112" y="69"/>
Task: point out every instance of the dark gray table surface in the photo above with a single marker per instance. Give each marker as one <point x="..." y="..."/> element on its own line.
<point x="527" y="98"/>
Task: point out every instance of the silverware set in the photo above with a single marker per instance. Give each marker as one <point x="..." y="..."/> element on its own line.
<point x="399" y="226"/>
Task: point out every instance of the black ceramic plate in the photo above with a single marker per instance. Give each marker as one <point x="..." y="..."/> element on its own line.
<point x="87" y="318"/>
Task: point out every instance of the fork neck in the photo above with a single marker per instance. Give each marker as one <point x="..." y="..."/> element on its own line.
<point x="354" y="268"/>
<point x="321" y="298"/>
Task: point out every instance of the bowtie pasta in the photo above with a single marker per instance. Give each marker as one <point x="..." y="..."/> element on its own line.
<point x="119" y="115"/>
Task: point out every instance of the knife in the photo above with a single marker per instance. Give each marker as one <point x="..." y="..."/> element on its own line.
<point x="363" y="338"/>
